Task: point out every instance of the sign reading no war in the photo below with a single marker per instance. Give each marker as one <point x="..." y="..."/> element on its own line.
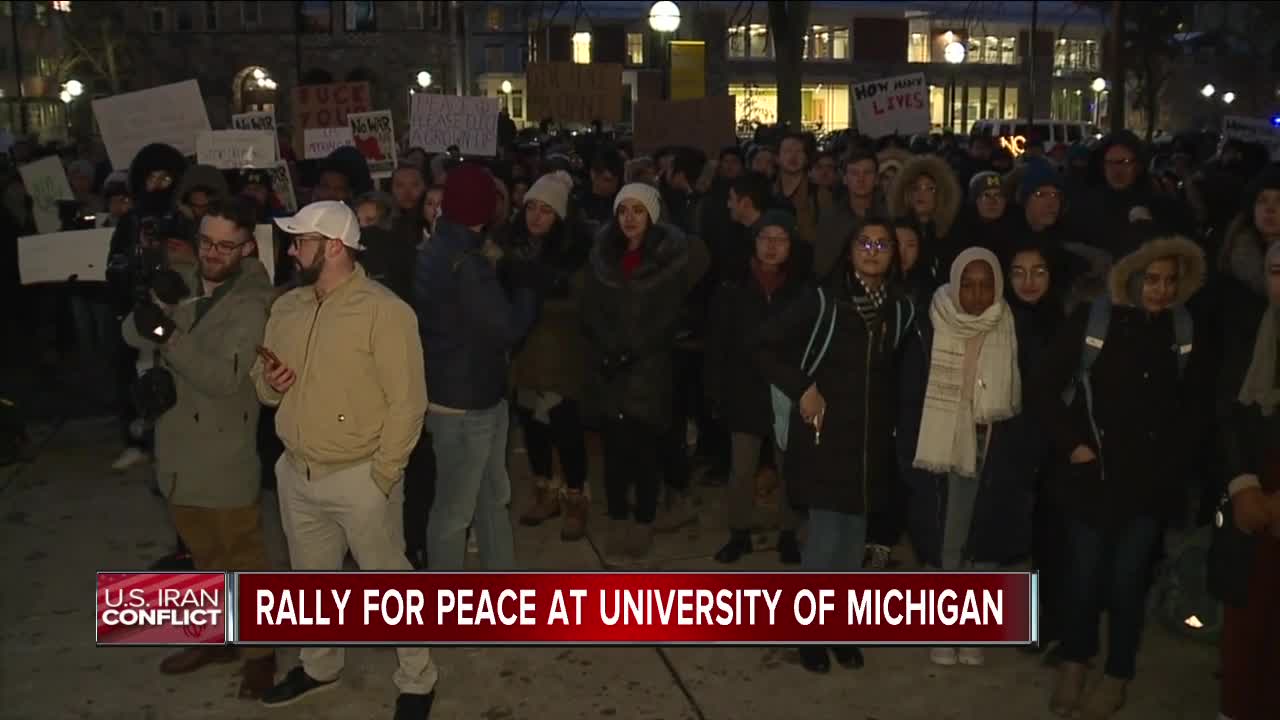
<point x="441" y="121"/>
<point x="893" y="105"/>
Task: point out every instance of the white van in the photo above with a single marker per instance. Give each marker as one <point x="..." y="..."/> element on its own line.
<point x="1012" y="134"/>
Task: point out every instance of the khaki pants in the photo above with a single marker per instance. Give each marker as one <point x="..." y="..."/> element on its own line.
<point x="325" y="517"/>
<point x="745" y="463"/>
<point x="224" y="539"/>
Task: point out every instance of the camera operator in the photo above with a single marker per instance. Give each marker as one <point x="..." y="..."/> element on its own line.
<point x="206" y="438"/>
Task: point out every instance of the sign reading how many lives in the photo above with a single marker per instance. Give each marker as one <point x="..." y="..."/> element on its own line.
<point x="441" y="121"/>
<point x="326" y="106"/>
<point x="572" y="92"/>
<point x="892" y="105"/>
<point x="374" y="136"/>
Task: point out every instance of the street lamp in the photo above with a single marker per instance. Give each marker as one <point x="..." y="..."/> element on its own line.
<point x="1099" y="84"/>
<point x="953" y="53"/>
<point x="1208" y="90"/>
<point x="506" y="87"/>
<point x="1228" y="97"/>
<point x="1098" y="87"/>
<point x="65" y="96"/>
<point x="424" y="79"/>
<point x="74" y="88"/>
<point x="664" y="16"/>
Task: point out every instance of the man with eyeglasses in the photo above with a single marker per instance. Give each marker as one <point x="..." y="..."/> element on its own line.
<point x="342" y="361"/>
<point x="205" y="448"/>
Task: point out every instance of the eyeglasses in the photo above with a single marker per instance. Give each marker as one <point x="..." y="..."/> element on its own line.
<point x="873" y="246"/>
<point x="221" y="248"/>
<point x="1047" y="195"/>
<point x="1121" y="162"/>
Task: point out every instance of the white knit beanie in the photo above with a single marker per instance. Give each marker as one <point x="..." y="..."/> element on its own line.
<point x="644" y="194"/>
<point x="552" y="189"/>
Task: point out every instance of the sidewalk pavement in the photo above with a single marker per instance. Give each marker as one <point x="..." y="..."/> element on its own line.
<point x="66" y="516"/>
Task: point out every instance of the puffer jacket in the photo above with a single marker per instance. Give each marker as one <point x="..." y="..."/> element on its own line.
<point x="935" y="234"/>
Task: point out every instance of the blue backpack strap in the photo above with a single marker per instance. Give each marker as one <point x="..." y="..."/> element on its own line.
<point x="831" y="329"/>
<point x="813" y="334"/>
<point x="1095" y="337"/>
<point x="1184" y="336"/>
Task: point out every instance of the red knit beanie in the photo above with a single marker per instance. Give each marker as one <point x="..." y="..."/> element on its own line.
<point x="469" y="196"/>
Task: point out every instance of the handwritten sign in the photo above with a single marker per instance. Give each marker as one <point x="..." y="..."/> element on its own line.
<point x="171" y="114"/>
<point x="1253" y="131"/>
<point x="893" y="105"/>
<point x="572" y="92"/>
<point x="46" y="183"/>
<point x="254" y="121"/>
<point x="327" y="106"/>
<point x="60" y="256"/>
<point x="319" y="142"/>
<point x="441" y="121"/>
<point x="264" y="237"/>
<point x="374" y="136"/>
<point x="705" y="123"/>
<point x="236" y="149"/>
<point x="282" y="186"/>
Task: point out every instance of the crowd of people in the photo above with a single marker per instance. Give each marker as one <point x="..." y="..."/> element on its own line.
<point x="1051" y="359"/>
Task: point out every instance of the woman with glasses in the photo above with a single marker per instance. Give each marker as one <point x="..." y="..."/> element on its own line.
<point x="839" y="431"/>
<point x="927" y="193"/>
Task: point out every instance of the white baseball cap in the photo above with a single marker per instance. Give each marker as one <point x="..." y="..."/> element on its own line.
<point x="329" y="218"/>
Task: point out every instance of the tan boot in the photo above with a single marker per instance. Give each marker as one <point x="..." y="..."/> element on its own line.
<point x="576" y="508"/>
<point x="1105" y="700"/>
<point x="546" y="504"/>
<point x="1066" y="694"/>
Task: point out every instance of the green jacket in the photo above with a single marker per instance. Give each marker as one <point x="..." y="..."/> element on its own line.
<point x="206" y="445"/>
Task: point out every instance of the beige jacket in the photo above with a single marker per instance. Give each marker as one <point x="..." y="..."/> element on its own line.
<point x="360" y="392"/>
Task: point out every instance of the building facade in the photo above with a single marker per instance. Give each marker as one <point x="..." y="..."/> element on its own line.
<point x="33" y="57"/>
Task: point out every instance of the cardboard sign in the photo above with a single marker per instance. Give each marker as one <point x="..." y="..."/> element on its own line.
<point x="319" y="142"/>
<point x="282" y="186"/>
<point x="58" y="257"/>
<point x="171" y="114"/>
<point x="893" y="105"/>
<point x="254" y="121"/>
<point x="706" y="123"/>
<point x="46" y="183"/>
<point x="264" y="237"/>
<point x="441" y="121"/>
<point x="236" y="149"/>
<point x="571" y="92"/>
<point x="326" y="106"/>
<point x="1253" y="131"/>
<point x="374" y="136"/>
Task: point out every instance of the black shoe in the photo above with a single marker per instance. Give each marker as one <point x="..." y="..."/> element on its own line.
<point x="295" y="686"/>
<point x="815" y="659"/>
<point x="848" y="656"/>
<point x="414" y="707"/>
<point x="417" y="558"/>
<point x="788" y="548"/>
<point x="739" y="544"/>
<point x="174" y="562"/>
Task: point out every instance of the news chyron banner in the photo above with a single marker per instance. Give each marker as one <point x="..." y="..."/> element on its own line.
<point x="555" y="608"/>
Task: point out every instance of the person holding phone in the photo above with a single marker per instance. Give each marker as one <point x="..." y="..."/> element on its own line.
<point x="342" y="362"/>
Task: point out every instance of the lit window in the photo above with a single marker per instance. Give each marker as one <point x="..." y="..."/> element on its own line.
<point x="582" y="48"/>
<point x="63" y="6"/>
<point x="840" y="44"/>
<point x="918" y="48"/>
<point x="493" y="19"/>
<point x="1008" y="51"/>
<point x="635" y="48"/>
<point x="516" y="105"/>
<point x="1075" y="55"/>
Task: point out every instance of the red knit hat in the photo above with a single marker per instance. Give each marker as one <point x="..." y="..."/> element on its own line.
<point x="469" y="196"/>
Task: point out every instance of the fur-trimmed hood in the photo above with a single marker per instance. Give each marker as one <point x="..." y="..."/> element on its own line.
<point x="1191" y="268"/>
<point x="949" y="194"/>
<point x="665" y="252"/>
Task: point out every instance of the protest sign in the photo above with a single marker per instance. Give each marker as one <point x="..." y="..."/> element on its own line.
<point x="705" y="123"/>
<point x="441" y="121"/>
<point x="319" y="142"/>
<point x="282" y="186"/>
<point x="59" y="256"/>
<point x="236" y="149"/>
<point x="254" y="121"/>
<point x="893" y="105"/>
<point x="374" y="136"/>
<point x="46" y="183"/>
<point x="1254" y="131"/>
<point x="572" y="92"/>
<point x="326" y="106"/>
<point x="171" y="114"/>
<point x="264" y="237"/>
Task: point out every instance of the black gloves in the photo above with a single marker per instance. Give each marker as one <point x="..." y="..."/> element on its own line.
<point x="169" y="286"/>
<point x="152" y="323"/>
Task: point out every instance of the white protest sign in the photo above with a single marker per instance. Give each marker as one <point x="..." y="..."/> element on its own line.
<point x="171" y="114"/>
<point x="56" y="257"/>
<point x="264" y="237"/>
<point x="319" y="142"/>
<point x="236" y="149"/>
<point x="374" y="136"/>
<point x="1253" y="131"/>
<point x="46" y="183"/>
<point x="282" y="186"/>
<point x="893" y="105"/>
<point x="254" y="121"/>
<point x="441" y="121"/>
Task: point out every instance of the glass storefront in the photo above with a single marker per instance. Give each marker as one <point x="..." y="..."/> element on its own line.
<point x="971" y="105"/>
<point x="824" y="107"/>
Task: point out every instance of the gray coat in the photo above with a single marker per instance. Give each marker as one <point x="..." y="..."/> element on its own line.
<point x="206" y="445"/>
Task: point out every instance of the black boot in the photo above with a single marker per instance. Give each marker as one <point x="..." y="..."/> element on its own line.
<point x="788" y="548"/>
<point x="739" y="544"/>
<point x="848" y="656"/>
<point x="815" y="659"/>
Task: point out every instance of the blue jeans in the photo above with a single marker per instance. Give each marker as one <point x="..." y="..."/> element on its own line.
<point x="836" y="542"/>
<point x="1107" y="569"/>
<point x="472" y="489"/>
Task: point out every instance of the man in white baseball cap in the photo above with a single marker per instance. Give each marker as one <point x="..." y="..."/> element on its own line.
<point x="342" y="362"/>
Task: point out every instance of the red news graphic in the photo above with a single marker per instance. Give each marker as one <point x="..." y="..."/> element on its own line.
<point x="153" y="608"/>
<point x="633" y="608"/>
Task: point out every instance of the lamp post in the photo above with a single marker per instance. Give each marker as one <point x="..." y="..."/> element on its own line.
<point x="1098" y="86"/>
<point x="664" y="19"/>
<point x="954" y="54"/>
<point x="71" y="90"/>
